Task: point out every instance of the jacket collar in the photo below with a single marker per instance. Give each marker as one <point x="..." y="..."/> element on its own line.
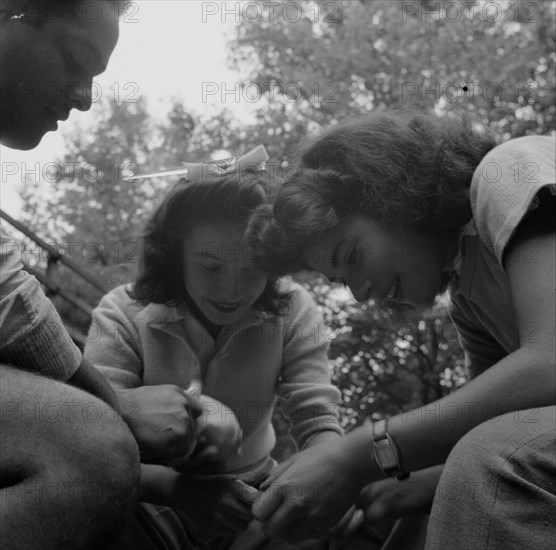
<point x="169" y="319"/>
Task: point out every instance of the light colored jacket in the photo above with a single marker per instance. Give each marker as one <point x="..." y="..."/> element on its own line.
<point x="250" y="364"/>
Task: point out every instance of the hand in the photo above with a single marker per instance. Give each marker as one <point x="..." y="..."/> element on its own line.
<point x="391" y="498"/>
<point x="218" y="438"/>
<point x="220" y="506"/>
<point x="311" y="490"/>
<point x="348" y="525"/>
<point x="162" y="420"/>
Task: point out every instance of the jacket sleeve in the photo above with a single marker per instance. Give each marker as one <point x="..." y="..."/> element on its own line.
<point x="33" y="336"/>
<point x="311" y="401"/>
<point x="113" y="344"/>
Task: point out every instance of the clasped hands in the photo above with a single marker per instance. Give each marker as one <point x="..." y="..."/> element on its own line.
<point x="302" y="498"/>
<point x="194" y="436"/>
<point x="180" y="430"/>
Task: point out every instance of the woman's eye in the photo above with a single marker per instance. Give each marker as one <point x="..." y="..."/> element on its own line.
<point x="211" y="267"/>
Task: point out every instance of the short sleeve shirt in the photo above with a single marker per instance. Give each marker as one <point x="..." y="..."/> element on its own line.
<point x="504" y="191"/>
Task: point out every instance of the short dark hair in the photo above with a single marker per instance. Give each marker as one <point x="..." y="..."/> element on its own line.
<point x="231" y="198"/>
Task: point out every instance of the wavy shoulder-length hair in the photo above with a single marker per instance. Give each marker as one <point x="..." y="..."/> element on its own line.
<point x="403" y="170"/>
<point x="234" y="198"/>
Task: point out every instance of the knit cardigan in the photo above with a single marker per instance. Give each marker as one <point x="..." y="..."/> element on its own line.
<point x="251" y="363"/>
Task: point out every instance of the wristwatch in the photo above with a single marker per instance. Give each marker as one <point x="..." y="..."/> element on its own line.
<point x="386" y="453"/>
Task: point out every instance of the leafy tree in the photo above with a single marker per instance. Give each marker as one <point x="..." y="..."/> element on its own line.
<point x="348" y="57"/>
<point x="341" y="58"/>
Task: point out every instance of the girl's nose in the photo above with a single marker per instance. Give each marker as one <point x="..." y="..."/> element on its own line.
<point x="232" y="288"/>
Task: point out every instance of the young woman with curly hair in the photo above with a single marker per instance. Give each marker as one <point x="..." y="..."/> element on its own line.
<point x="401" y="207"/>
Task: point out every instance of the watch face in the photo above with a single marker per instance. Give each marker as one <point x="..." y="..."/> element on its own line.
<point x="385" y="455"/>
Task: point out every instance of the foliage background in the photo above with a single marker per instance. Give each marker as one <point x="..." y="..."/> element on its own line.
<point x="302" y="74"/>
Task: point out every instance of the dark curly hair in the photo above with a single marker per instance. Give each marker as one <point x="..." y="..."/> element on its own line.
<point x="403" y="170"/>
<point x="230" y="198"/>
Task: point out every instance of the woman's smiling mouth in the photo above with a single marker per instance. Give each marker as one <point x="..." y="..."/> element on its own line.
<point x="225" y="307"/>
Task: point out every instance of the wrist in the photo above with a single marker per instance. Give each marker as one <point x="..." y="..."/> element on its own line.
<point x="385" y="452"/>
<point x="126" y="407"/>
<point x="359" y="449"/>
<point x="322" y="437"/>
<point x="158" y="484"/>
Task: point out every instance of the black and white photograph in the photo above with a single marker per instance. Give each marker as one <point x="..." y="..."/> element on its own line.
<point x="277" y="275"/>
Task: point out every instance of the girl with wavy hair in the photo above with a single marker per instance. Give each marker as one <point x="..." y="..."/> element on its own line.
<point x="200" y="311"/>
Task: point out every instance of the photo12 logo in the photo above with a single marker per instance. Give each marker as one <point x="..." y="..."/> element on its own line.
<point x="68" y="12"/>
<point x="271" y="11"/>
<point x="455" y="92"/>
<point x="469" y="11"/>
<point x="128" y="92"/>
<point x="272" y="91"/>
<point x="53" y="172"/>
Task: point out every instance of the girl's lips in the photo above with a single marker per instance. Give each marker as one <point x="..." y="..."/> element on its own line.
<point x="225" y="307"/>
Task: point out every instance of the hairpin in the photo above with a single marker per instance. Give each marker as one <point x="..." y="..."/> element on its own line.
<point x="190" y="171"/>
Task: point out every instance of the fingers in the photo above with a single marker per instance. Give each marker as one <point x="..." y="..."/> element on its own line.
<point x="206" y="459"/>
<point x="276" y="473"/>
<point x="268" y="501"/>
<point x="349" y="524"/>
<point x="354" y="523"/>
<point x="193" y="402"/>
<point x="244" y="492"/>
<point x="280" y="525"/>
<point x="237" y="509"/>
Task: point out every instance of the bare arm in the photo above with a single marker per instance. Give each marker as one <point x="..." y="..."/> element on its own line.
<point x="522" y="380"/>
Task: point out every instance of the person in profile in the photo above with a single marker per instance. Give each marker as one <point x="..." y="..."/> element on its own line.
<point x="67" y="484"/>
<point x="400" y="207"/>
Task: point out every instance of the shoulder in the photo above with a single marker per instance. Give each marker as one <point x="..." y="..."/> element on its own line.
<point x="500" y="162"/>
<point x="505" y="186"/>
<point x="118" y="304"/>
<point x="302" y="316"/>
<point x="300" y="299"/>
